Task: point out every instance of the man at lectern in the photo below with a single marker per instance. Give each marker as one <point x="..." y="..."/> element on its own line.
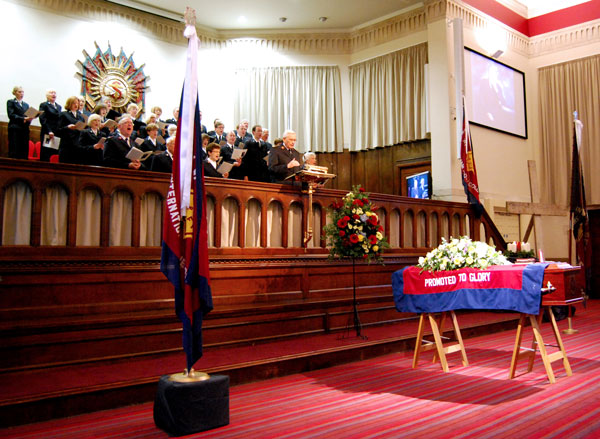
<point x="285" y="161"/>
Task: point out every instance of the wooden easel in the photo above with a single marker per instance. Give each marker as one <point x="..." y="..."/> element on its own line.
<point x="437" y="328"/>
<point x="535" y="208"/>
<point x="538" y="342"/>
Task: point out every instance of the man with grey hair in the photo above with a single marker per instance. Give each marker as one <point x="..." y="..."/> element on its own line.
<point x="284" y="161"/>
<point x="117" y="147"/>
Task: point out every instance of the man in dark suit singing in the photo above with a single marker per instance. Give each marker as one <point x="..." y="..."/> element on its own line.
<point x="117" y="147"/>
<point x="285" y="161"/>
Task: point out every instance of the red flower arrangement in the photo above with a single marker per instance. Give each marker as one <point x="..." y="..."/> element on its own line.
<point x="354" y="231"/>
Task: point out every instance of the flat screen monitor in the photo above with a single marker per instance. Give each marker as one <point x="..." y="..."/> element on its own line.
<point x="495" y="94"/>
<point x="418" y="185"/>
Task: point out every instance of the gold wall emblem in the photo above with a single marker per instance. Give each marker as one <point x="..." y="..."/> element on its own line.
<point x="113" y="76"/>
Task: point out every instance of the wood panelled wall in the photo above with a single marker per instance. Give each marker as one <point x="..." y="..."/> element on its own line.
<point x="375" y="169"/>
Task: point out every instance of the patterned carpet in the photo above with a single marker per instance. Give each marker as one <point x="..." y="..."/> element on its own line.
<point x="385" y="398"/>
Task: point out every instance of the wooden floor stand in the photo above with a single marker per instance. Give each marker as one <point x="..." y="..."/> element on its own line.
<point x="437" y="328"/>
<point x="570" y="329"/>
<point x="538" y="342"/>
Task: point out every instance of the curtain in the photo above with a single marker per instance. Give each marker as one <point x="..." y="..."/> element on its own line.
<point x="295" y="232"/>
<point x="89" y="208"/>
<point x="16" y="217"/>
<point x="306" y="99"/>
<point x="150" y="220"/>
<point x="316" y="225"/>
<point x="54" y="216"/>
<point x="121" y="213"/>
<point x="564" y="88"/>
<point x="253" y="221"/>
<point x="210" y="220"/>
<point x="229" y="223"/>
<point x="388" y="99"/>
<point x="274" y="224"/>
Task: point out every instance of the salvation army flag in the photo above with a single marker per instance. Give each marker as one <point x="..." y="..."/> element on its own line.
<point x="467" y="165"/>
<point x="184" y="258"/>
<point x="577" y="201"/>
<point x="499" y="287"/>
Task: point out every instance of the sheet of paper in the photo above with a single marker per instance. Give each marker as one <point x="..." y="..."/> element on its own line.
<point x="110" y="124"/>
<point x="224" y="168"/>
<point x="138" y="154"/>
<point x="80" y="126"/>
<point x="32" y="112"/>
<point x="138" y="140"/>
<point x="51" y="143"/>
<point x="238" y="153"/>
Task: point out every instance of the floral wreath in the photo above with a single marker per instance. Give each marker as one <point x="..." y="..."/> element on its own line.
<point x="354" y="231"/>
<point x="459" y="253"/>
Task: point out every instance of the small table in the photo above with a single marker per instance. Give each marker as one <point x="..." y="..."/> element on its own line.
<point x="567" y="284"/>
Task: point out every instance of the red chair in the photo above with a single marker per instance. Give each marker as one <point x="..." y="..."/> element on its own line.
<point x="54" y="158"/>
<point x="34" y="150"/>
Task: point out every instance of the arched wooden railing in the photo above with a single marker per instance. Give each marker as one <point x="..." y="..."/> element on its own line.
<point x="415" y="225"/>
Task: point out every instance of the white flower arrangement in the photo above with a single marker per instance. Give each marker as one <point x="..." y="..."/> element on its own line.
<point x="460" y="253"/>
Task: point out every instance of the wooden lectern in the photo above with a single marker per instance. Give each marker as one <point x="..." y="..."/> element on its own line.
<point x="311" y="176"/>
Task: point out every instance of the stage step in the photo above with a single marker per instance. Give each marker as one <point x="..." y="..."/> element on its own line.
<point x="65" y="390"/>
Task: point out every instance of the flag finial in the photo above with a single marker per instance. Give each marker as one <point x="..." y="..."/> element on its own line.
<point x="190" y="16"/>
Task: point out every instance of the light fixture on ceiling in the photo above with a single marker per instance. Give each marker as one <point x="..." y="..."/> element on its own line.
<point x="497" y="54"/>
<point x="283" y="19"/>
<point x="242" y="19"/>
<point x="322" y="19"/>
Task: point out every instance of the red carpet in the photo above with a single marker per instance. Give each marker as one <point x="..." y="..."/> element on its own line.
<point x="385" y="398"/>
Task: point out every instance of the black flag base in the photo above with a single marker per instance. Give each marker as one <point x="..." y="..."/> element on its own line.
<point x="189" y="377"/>
<point x="188" y="407"/>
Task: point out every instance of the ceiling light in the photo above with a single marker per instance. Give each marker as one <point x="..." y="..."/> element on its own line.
<point x="242" y="19"/>
<point x="283" y="19"/>
<point x="322" y="19"/>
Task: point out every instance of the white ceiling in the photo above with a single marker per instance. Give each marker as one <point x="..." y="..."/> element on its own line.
<point x="230" y="15"/>
<point x="265" y="14"/>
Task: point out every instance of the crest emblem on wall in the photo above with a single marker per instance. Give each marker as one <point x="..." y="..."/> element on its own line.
<point x="113" y="76"/>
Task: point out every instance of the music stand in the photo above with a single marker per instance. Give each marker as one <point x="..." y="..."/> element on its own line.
<point x="313" y="176"/>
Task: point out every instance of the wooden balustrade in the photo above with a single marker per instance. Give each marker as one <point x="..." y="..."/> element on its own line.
<point x="417" y="224"/>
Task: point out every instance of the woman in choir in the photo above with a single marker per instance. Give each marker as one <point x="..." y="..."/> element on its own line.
<point x="49" y="122"/>
<point x="82" y="108"/>
<point x="138" y="124"/>
<point x="102" y="111"/>
<point x="151" y="143"/>
<point x="171" y="130"/>
<point x="68" y="151"/>
<point x="211" y="163"/>
<point x="91" y="143"/>
<point x="157" y="111"/>
<point x="310" y="158"/>
<point x="18" y="125"/>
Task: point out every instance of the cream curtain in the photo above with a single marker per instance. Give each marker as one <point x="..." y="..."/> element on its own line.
<point x="295" y="232"/>
<point x="16" y="216"/>
<point x="253" y="221"/>
<point x="150" y="220"/>
<point x="54" y="216"/>
<point x="229" y="223"/>
<point x="210" y="220"/>
<point x="121" y="213"/>
<point x="89" y="208"/>
<point x="316" y="225"/>
<point x="388" y="99"/>
<point x="274" y="224"/>
<point x="564" y="88"/>
<point x="306" y="99"/>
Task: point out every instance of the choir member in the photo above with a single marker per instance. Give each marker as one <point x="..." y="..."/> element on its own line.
<point x="68" y="150"/>
<point x="49" y="122"/>
<point x="117" y="147"/>
<point x="211" y="163"/>
<point x="163" y="162"/>
<point x="18" y="125"/>
<point x="90" y="142"/>
<point x="151" y="143"/>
